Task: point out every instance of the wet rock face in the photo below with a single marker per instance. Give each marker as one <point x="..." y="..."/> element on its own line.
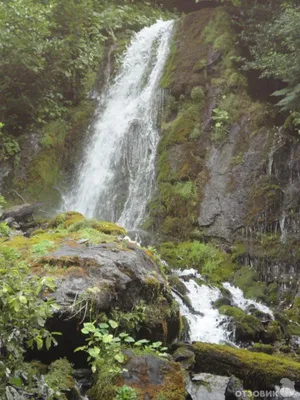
<point x="224" y="206"/>
<point x="108" y="274"/>
<point x="207" y="386"/>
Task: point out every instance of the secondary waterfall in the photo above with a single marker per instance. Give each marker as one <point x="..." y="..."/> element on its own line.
<point x="116" y="177"/>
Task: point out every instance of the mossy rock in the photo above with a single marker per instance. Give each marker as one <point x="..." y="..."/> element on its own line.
<point x="109" y="228"/>
<point x="262" y="348"/>
<point x="273" y="333"/>
<point x="247" y="327"/>
<point x="257" y="370"/>
<point x="185" y="357"/>
<point x="247" y="279"/>
<point x="163" y="320"/>
<point x="66" y="219"/>
<point x="176" y="284"/>
<point x="155" y="378"/>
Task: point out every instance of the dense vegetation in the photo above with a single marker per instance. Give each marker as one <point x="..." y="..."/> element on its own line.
<point x="50" y="53"/>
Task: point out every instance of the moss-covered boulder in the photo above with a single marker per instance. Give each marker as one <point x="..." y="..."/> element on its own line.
<point x="247" y="327"/>
<point x="96" y="270"/>
<point x="256" y="370"/>
<point x="155" y="378"/>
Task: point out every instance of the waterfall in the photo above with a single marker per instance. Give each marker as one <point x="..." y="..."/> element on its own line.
<point x="206" y="324"/>
<point x="239" y="300"/>
<point x="116" y="177"/>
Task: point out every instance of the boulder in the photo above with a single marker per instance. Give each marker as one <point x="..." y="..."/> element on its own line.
<point x="20" y="212"/>
<point x="257" y="371"/>
<point x="207" y="386"/>
<point x="112" y="275"/>
<point x="154" y="377"/>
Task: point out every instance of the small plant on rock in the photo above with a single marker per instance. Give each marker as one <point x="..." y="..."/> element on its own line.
<point x="221" y="124"/>
<point x="105" y="342"/>
<point x="126" y="393"/>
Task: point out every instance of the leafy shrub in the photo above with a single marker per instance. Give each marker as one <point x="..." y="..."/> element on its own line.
<point x="197" y="94"/>
<point x="221" y="124"/>
<point x="4" y="229"/>
<point x="23" y="314"/>
<point x="126" y="393"/>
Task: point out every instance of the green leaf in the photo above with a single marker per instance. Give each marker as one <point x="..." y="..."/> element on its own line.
<point x="123" y="335"/>
<point x="94" y="352"/>
<point x="48" y="342"/>
<point x="16" y="381"/>
<point x="39" y="342"/>
<point x="119" y="358"/>
<point x="113" y="324"/>
<point x="81" y="348"/>
<point x="88" y="327"/>
<point x="107" y="338"/>
<point x="129" y="339"/>
<point x="103" y="325"/>
<point x="23" y="299"/>
<point x="156" y="344"/>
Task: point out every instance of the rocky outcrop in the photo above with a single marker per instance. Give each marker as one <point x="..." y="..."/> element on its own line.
<point x="154" y="377"/>
<point x="112" y="275"/>
<point x="256" y="370"/>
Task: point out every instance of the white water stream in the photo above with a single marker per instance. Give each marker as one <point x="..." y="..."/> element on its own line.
<point x="116" y="177"/>
<point x="205" y="322"/>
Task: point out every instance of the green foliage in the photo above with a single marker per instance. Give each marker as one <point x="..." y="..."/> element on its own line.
<point x="42" y="248"/>
<point x="4" y="229"/>
<point x="272" y="36"/>
<point x="59" y="379"/>
<point x="8" y="145"/>
<point x="2" y="201"/>
<point x="247" y="327"/>
<point x="105" y="342"/>
<point x="247" y="279"/>
<point x="197" y="94"/>
<point x="126" y="393"/>
<point x="23" y="314"/>
<point x="50" y="50"/>
<point x="206" y="258"/>
<point x="221" y="124"/>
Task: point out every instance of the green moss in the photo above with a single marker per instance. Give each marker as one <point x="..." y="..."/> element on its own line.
<point x="247" y="326"/>
<point x="60" y="376"/>
<point x="294" y="312"/>
<point x="59" y="137"/>
<point x="109" y="228"/>
<point x="262" y="348"/>
<point x="54" y="133"/>
<point x="173" y="387"/>
<point x="178" y="131"/>
<point x="4" y="229"/>
<point x="198" y="94"/>
<point x="247" y="279"/>
<point x="212" y="263"/>
<point x="169" y="67"/>
<point x="176" y="283"/>
<point x="105" y="386"/>
<point x="257" y="370"/>
<point x="66" y="219"/>
<point x="160" y="314"/>
<point x="273" y="333"/>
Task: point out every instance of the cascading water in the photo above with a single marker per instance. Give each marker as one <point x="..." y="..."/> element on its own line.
<point x="116" y="177"/>
<point x="239" y="300"/>
<point x="206" y="324"/>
